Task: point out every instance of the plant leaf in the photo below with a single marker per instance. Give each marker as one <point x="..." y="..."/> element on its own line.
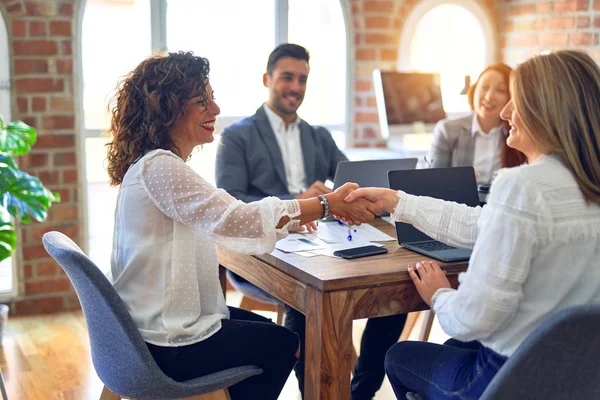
<point x="17" y="138"/>
<point x="27" y="198"/>
<point x="8" y="236"/>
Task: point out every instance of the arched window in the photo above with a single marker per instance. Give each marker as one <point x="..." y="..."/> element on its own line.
<point x="7" y="272"/>
<point x="237" y="37"/>
<point x="454" y="39"/>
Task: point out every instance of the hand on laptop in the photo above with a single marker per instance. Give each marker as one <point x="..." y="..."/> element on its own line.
<point x="387" y="199"/>
<point x="314" y="190"/>
<point x="428" y="277"/>
<point x="355" y="213"/>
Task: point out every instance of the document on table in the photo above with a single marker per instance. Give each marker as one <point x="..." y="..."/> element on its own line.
<point x="298" y="242"/>
<point x="333" y="232"/>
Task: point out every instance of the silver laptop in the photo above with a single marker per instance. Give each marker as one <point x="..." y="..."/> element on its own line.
<point x="452" y="184"/>
<point x="371" y="173"/>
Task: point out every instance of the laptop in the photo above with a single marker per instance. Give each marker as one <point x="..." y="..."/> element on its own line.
<point x="371" y="173"/>
<point x="453" y="184"/>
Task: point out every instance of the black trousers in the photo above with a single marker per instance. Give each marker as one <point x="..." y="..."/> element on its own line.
<point x="244" y="339"/>
<point x="379" y="335"/>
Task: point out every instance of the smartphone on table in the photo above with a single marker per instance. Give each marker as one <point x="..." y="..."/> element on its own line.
<point x="358" y="252"/>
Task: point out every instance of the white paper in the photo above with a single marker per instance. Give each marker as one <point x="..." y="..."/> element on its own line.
<point x="333" y="232"/>
<point x="297" y="242"/>
<point x="389" y="220"/>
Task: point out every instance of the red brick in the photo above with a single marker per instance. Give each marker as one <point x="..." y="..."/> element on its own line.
<point x="561" y="23"/>
<point x="571" y="6"/>
<point x="363" y="86"/>
<point x="66" y="47"/>
<point x="41" y="8"/>
<point x="38" y="104"/>
<point x="64" y="194"/>
<point x="366" y="54"/>
<point x="35" y="306"/>
<point x="543" y="8"/>
<point x="32" y="252"/>
<point x="597" y="22"/>
<point x="61" y="28"/>
<point x="378" y="6"/>
<point x="508" y="26"/>
<point x="70" y="176"/>
<point x="45" y="269"/>
<point x="39" y="85"/>
<point x="371" y="102"/>
<point x="23" y="104"/>
<point x="64" y="66"/>
<point x="55" y="141"/>
<point x="379" y="38"/>
<point x="377" y="22"/>
<point x="47" y="286"/>
<point x="18" y="28"/>
<point x="38" y="28"/>
<point x="522" y="40"/>
<point x="554" y="39"/>
<point x="15" y="9"/>
<point x="66" y="10"/>
<point x="35" y="66"/>
<point x="358" y="101"/>
<point x="580" y="38"/>
<point x="529" y="24"/>
<point x="389" y="54"/>
<point x="597" y="5"/>
<point x="34" y="48"/>
<point x="33" y="160"/>
<point x="58" y="122"/>
<point x="31" y="121"/>
<point x="61" y="103"/>
<point x="27" y="271"/>
<point x="521" y="9"/>
<point x="62" y="159"/>
<point x="366" y="117"/>
<point x="63" y="212"/>
<point x="583" y="22"/>
<point x="49" y="178"/>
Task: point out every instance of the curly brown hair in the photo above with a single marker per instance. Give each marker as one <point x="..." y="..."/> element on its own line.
<point x="510" y="157"/>
<point x="147" y="103"/>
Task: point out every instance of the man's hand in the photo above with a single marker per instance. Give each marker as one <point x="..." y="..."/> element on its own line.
<point x="387" y="199"/>
<point x="314" y="190"/>
<point x="429" y="279"/>
<point x="353" y="213"/>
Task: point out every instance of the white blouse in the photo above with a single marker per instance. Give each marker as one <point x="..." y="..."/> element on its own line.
<point x="536" y="246"/>
<point x="164" y="263"/>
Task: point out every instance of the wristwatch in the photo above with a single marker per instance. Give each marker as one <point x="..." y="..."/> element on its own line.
<point x="325" y="204"/>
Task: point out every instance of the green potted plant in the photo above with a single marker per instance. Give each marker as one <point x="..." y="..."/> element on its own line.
<point x="23" y="197"/>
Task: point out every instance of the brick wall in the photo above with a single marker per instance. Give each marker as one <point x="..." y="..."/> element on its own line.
<point x="530" y="27"/>
<point x="41" y="41"/>
<point x="377" y="28"/>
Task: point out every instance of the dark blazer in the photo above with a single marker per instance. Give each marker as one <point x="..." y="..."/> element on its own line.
<point x="250" y="165"/>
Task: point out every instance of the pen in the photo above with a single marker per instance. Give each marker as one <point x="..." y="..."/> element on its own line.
<point x="350" y="230"/>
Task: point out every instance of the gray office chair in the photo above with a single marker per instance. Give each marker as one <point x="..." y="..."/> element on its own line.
<point x="120" y="355"/>
<point x="558" y="361"/>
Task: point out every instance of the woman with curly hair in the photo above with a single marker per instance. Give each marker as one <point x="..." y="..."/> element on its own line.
<point x="168" y="222"/>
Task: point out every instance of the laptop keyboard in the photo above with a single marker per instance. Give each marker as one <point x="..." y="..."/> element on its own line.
<point x="431" y="246"/>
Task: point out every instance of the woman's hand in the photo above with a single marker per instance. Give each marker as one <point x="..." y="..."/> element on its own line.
<point x="387" y="199"/>
<point x="353" y="213"/>
<point x="307" y="228"/>
<point x="429" y="279"/>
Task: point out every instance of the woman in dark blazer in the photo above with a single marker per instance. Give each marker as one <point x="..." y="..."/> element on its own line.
<point x="478" y="139"/>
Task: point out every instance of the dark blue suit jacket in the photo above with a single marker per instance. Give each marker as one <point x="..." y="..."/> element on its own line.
<point x="250" y="165"/>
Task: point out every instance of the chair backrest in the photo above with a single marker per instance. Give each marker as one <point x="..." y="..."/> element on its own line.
<point x="120" y="355"/>
<point x="559" y="360"/>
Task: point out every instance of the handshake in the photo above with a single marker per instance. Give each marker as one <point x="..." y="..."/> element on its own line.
<point x="355" y="206"/>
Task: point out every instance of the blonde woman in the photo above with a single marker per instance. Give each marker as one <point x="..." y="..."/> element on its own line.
<point x="535" y="244"/>
<point x="478" y="139"/>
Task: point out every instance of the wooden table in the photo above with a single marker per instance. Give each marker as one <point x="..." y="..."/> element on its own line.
<point x="331" y="293"/>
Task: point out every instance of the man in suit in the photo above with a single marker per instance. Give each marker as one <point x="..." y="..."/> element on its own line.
<point x="276" y="153"/>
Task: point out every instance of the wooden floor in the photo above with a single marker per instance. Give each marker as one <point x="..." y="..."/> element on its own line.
<point x="48" y="357"/>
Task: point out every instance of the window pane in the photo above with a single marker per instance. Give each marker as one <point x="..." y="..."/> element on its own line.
<point x="450" y="41"/>
<point x="116" y="38"/>
<point x="325" y="40"/>
<point x="236" y="36"/>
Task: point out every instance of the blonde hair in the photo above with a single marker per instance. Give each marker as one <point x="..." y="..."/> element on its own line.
<point x="557" y="96"/>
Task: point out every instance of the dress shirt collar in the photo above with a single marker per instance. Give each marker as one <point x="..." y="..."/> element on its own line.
<point x="277" y="122"/>
<point x="476" y="128"/>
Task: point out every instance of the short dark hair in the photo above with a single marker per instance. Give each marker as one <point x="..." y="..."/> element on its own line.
<point x="286" y="50"/>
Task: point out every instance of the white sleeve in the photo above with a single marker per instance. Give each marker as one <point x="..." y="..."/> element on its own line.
<point x="181" y="194"/>
<point x="451" y="223"/>
<point x="492" y="287"/>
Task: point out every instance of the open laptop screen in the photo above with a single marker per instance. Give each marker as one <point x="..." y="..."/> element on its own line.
<point x="454" y="184"/>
